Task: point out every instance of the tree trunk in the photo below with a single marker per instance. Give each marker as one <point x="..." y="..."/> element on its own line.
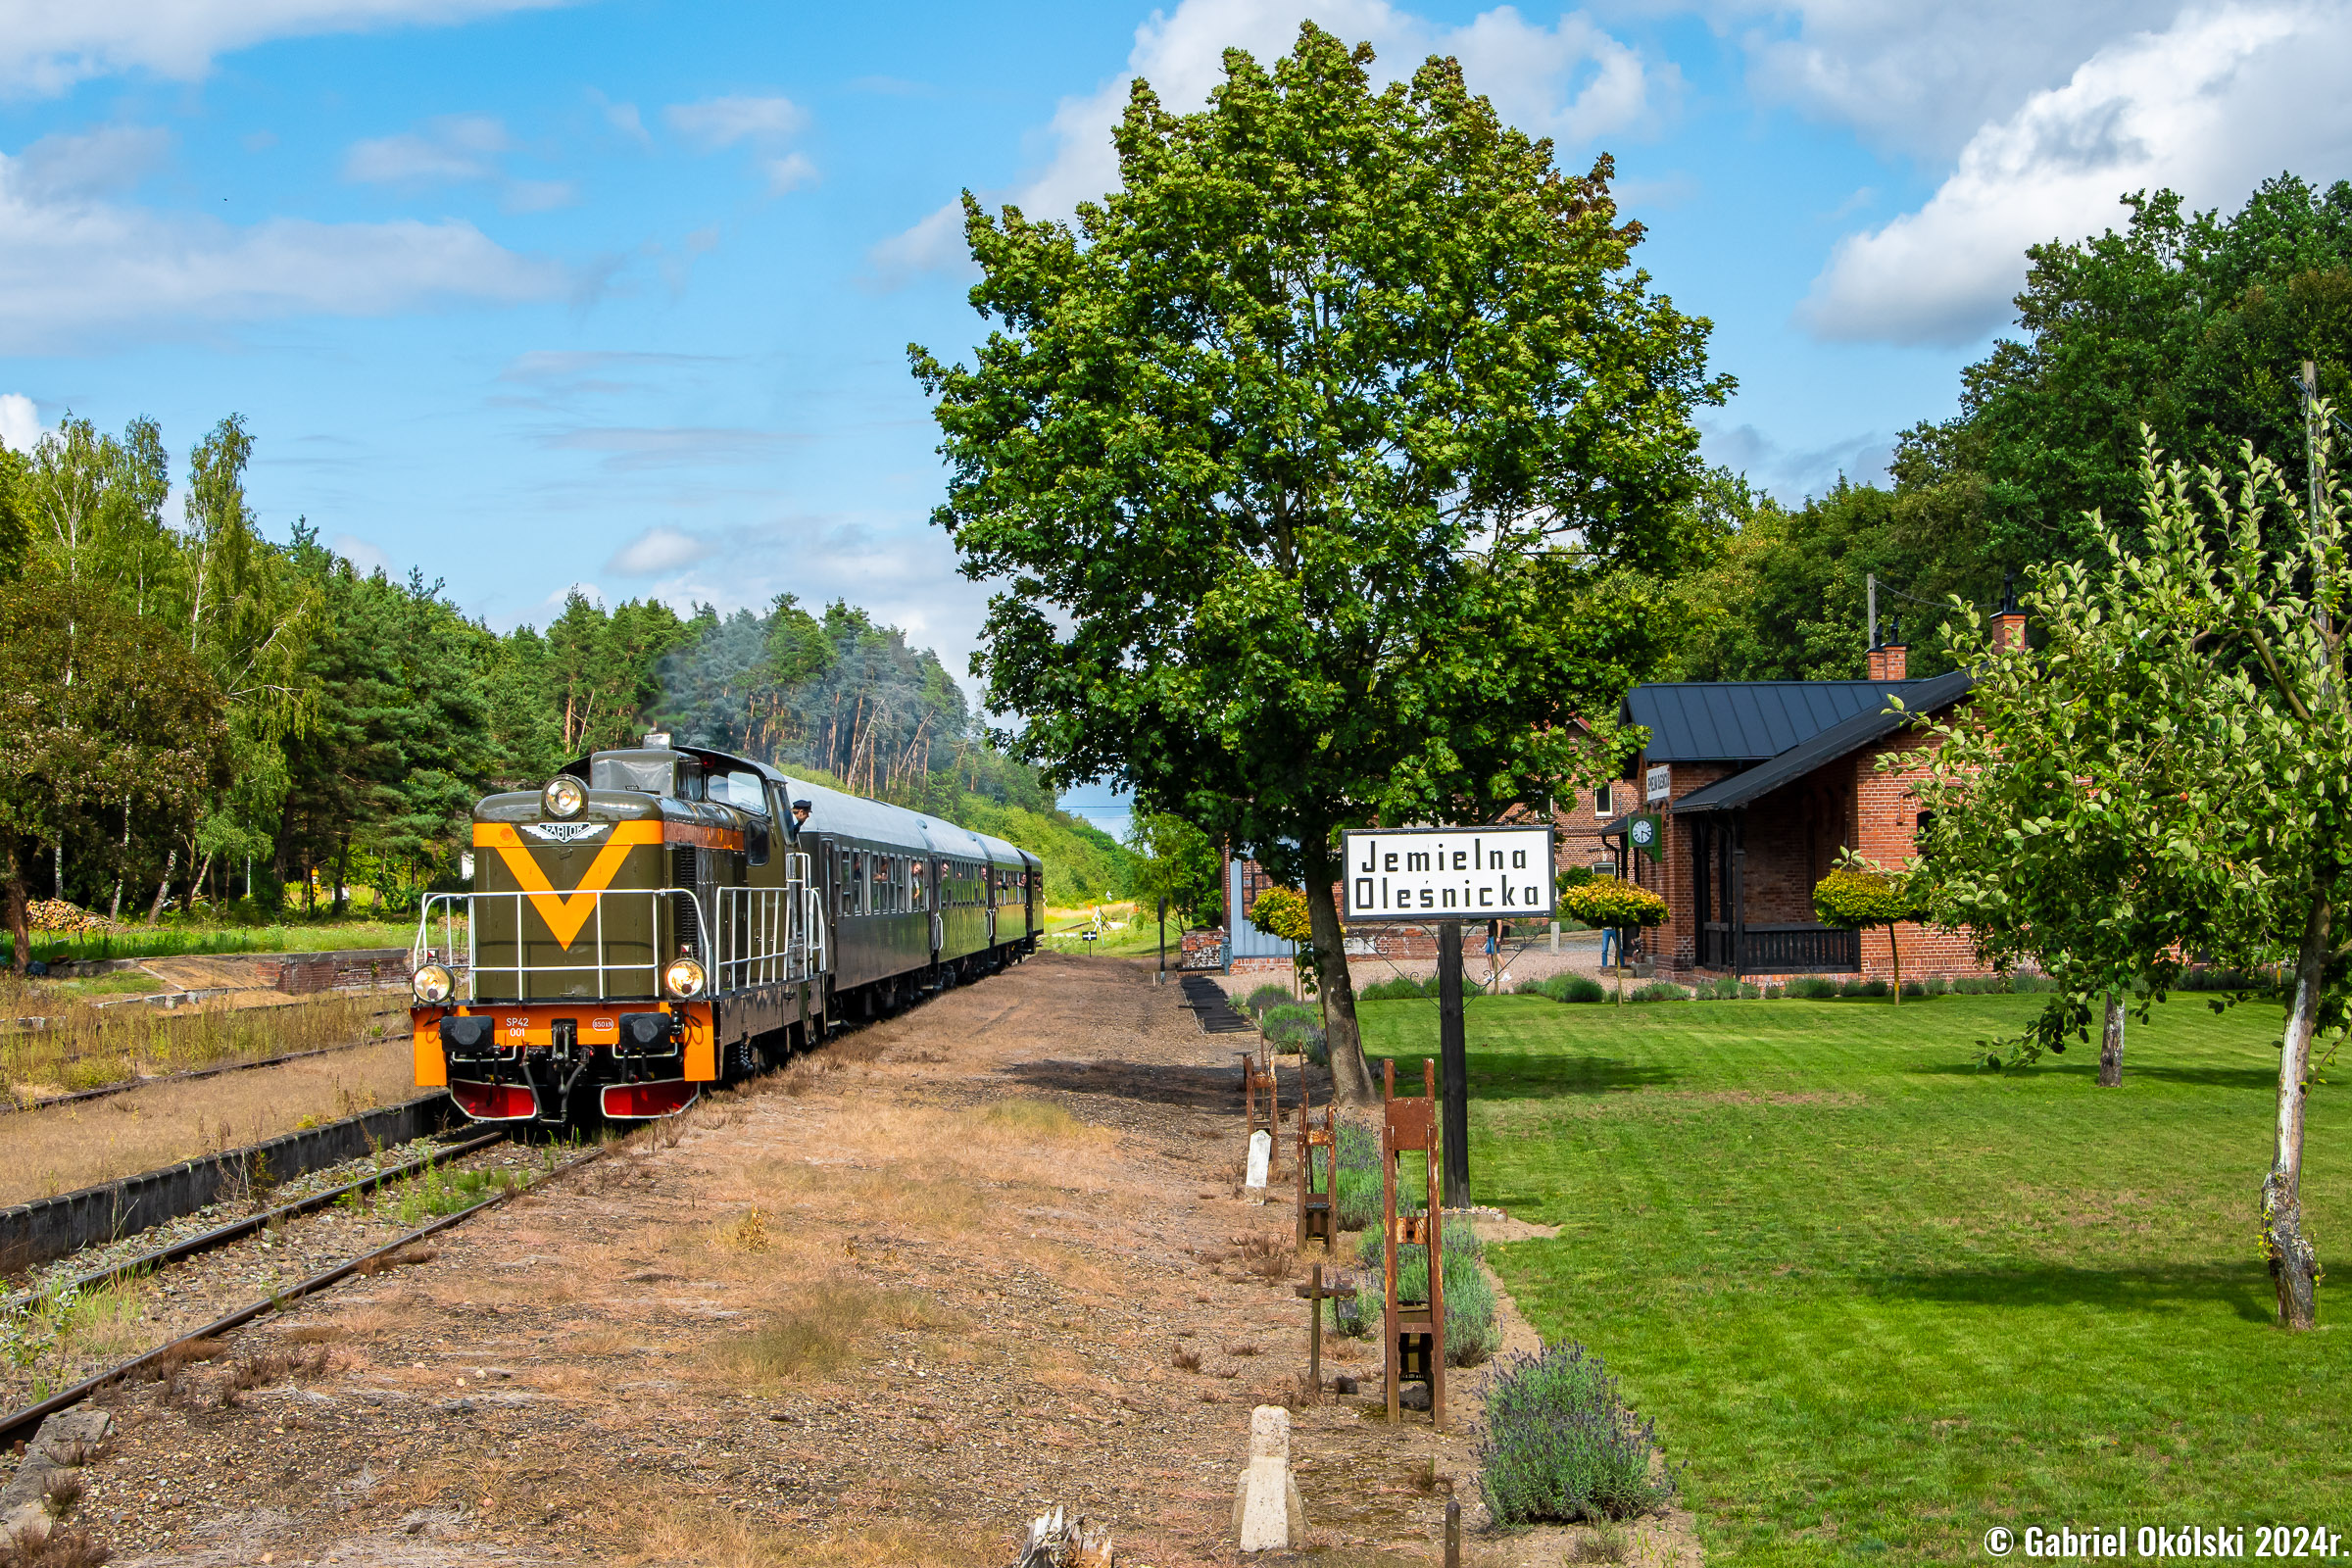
<point x="2294" y="1262"/>
<point x="2110" y="1044"/>
<point x="196" y="883"/>
<point x="1350" y="1077"/>
<point x="155" y="910"/>
<point x="115" y="911"/>
<point x="342" y="871"/>
<point x="19" y="911"/>
<point x="1895" y="951"/>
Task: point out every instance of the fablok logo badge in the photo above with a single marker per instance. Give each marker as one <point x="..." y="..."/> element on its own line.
<point x="566" y="832"/>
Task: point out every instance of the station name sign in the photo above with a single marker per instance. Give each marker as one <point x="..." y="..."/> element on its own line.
<point x="1448" y="874"/>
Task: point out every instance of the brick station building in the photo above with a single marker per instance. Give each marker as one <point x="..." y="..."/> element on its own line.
<point x="1761" y="784"/>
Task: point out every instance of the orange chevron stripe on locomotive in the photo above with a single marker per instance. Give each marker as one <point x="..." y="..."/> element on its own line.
<point x="566" y="912"/>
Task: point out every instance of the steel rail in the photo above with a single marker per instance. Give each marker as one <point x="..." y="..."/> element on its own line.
<point x="20" y="1426"/>
<point x="221" y="1235"/>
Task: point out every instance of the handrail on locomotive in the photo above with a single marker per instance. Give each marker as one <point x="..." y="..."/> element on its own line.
<point x="766" y="936"/>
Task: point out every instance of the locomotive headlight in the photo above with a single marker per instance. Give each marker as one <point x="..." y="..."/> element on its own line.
<point x="564" y="796"/>
<point x="431" y="984"/>
<point x="684" y="978"/>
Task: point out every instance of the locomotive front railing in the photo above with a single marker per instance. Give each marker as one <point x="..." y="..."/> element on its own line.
<point x="659" y="939"/>
<point x="757" y="936"/>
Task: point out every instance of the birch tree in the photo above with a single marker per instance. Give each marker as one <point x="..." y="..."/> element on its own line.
<point x="2170" y="774"/>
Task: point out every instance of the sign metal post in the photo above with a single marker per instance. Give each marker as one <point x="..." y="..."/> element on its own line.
<point x="1446" y="876"/>
<point x="1453" y="1065"/>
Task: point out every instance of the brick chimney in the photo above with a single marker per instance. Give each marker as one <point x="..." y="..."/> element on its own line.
<point x="1889" y="659"/>
<point x="2009" y="622"/>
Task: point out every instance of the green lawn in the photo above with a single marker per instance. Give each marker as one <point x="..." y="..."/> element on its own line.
<point x="1879" y="1300"/>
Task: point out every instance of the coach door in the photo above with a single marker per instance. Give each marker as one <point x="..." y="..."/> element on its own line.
<point x="935" y="871"/>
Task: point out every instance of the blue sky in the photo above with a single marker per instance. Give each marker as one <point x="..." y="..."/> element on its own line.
<point x="615" y="293"/>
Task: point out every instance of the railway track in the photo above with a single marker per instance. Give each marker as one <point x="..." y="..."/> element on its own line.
<point x="21" y="1425"/>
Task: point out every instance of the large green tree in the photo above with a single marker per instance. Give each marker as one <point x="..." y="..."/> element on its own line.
<point x="2191" y="324"/>
<point x="2170" y="774"/>
<point x="1327" y="464"/>
<point x="138" y="720"/>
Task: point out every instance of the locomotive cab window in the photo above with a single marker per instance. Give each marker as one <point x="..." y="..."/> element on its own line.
<point x="645" y="772"/>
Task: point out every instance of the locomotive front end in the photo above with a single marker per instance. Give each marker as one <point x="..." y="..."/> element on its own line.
<point x="575" y="980"/>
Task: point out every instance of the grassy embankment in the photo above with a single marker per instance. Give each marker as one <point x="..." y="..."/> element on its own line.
<point x="178" y="938"/>
<point x="1880" y="1299"/>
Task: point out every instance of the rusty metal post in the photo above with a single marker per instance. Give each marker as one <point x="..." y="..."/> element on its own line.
<point x="1410" y="1126"/>
<point x="1316" y="1209"/>
<point x="1315" y="1332"/>
<point x="1453" y="1532"/>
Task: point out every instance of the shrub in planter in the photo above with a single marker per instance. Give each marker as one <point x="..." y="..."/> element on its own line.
<point x="1812" y="988"/>
<point x="1473" y="1328"/>
<point x="1774" y="993"/>
<point x="1355" y="1185"/>
<point x="1658" y="991"/>
<point x="1266" y="997"/>
<point x="1289" y="1020"/>
<point x="1559" y="1445"/>
<point x="1859" y="987"/>
<point x="1402" y="988"/>
<point x="1567" y="988"/>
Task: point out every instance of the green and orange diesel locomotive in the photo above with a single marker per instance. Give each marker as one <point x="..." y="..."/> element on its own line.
<point x="657" y="919"/>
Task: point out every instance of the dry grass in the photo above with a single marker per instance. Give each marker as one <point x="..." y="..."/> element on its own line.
<point x="89" y="1045"/>
<point x="1267" y="1256"/>
<point x="668" y="1532"/>
<point x="45" y="1152"/>
<point x="745" y="1233"/>
<point x="820" y="1329"/>
<point x="1040" y="1120"/>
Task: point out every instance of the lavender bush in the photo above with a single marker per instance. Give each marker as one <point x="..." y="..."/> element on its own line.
<point x="1559" y="1445"/>
<point x="1357" y="1189"/>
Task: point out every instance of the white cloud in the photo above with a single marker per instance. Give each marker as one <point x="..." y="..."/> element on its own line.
<point x="628" y="448"/>
<point x="364" y="557"/>
<point x="764" y="125"/>
<point x="1790" y="477"/>
<point x="1919" y="74"/>
<point x="1570" y="80"/>
<point x="623" y="117"/>
<point x="102" y="162"/>
<point x="48" y="45"/>
<point x="934" y="245"/>
<point x="789" y="172"/>
<point x="718" y="123"/>
<point x="659" y="550"/>
<point x="454" y="149"/>
<point x="20" y="421"/>
<point x="2209" y="107"/>
<point x="76" y="267"/>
